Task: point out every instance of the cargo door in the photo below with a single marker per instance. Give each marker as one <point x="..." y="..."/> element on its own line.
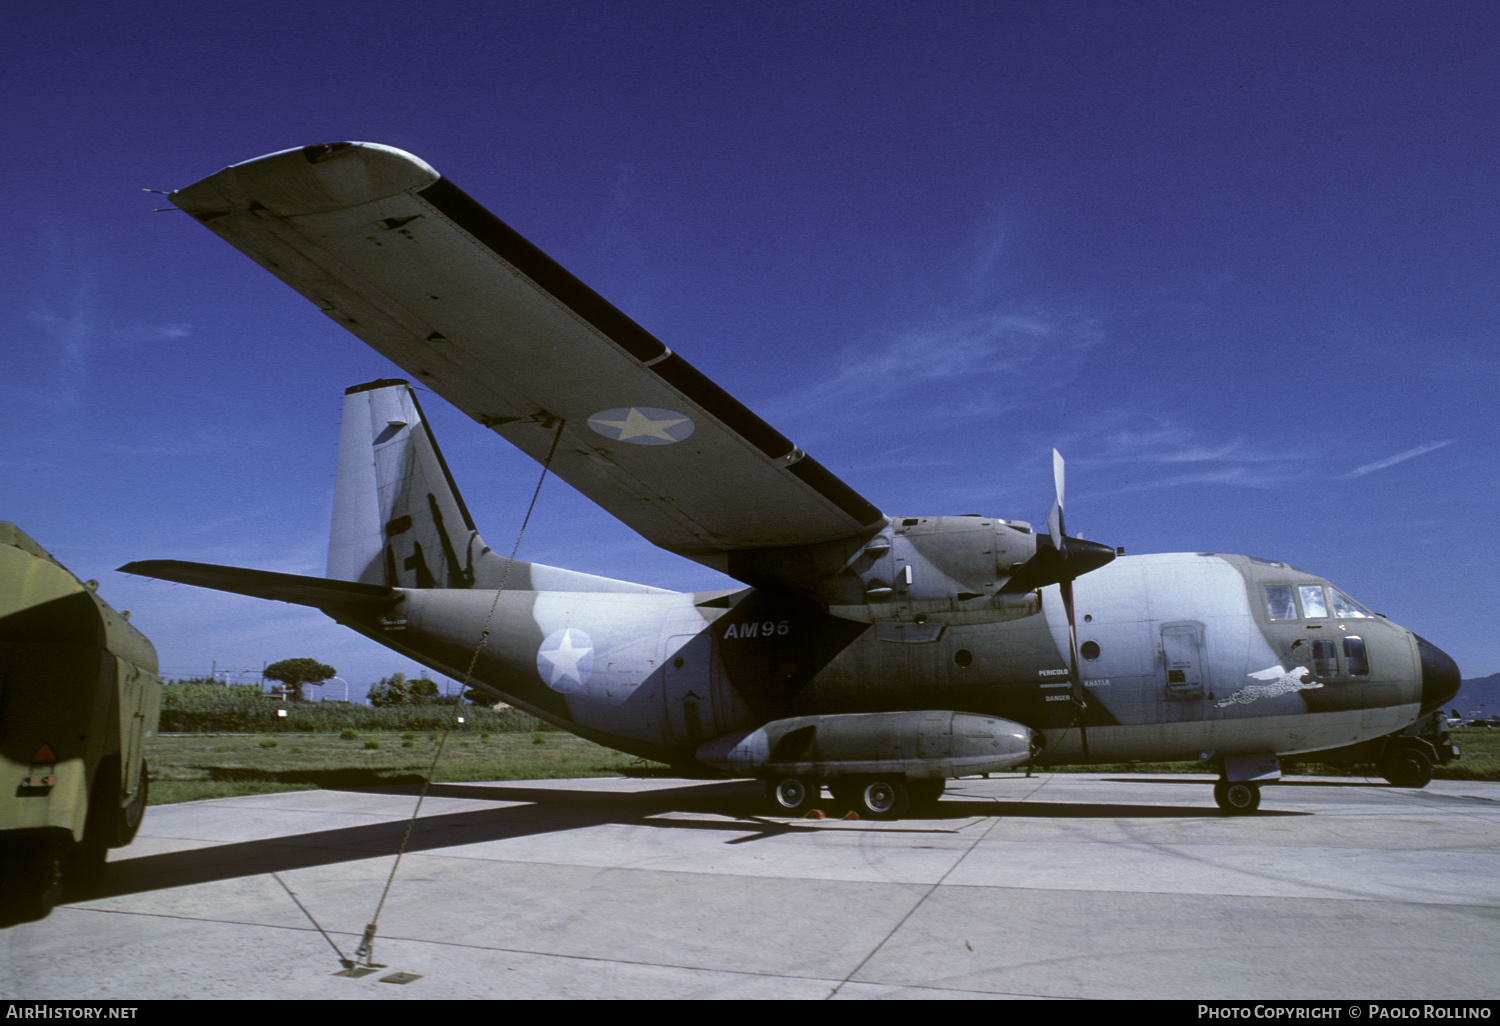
<point x="1182" y="656"/>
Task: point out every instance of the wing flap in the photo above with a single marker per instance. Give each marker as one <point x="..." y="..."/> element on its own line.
<point x="424" y="274"/>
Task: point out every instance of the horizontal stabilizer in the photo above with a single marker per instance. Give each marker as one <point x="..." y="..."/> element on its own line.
<point x="318" y="592"/>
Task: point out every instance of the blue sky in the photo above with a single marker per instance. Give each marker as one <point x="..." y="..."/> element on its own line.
<point x="1238" y="262"/>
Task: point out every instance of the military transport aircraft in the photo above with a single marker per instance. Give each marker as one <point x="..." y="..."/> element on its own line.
<point x="877" y="655"/>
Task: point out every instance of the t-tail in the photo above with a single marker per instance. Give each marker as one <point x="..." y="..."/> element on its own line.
<point x="398" y="523"/>
<point x="398" y="518"/>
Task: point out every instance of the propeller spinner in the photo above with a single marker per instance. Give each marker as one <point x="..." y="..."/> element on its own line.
<point x="1058" y="558"/>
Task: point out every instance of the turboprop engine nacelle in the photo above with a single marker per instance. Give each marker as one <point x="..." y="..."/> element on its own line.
<point x="916" y="574"/>
<point x="918" y="745"/>
<point x="951" y="569"/>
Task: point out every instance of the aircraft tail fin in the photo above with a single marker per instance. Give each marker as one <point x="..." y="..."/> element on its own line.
<point x="398" y="519"/>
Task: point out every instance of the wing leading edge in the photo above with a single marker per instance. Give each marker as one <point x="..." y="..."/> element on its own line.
<point x="416" y="268"/>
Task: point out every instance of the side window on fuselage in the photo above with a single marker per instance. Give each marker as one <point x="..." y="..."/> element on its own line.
<point x="1355" y="658"/>
<point x="1325" y="659"/>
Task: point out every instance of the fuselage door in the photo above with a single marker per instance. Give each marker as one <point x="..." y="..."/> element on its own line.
<point x="1182" y="646"/>
<point x="688" y="687"/>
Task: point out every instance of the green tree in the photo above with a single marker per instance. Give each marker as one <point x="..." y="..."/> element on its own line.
<point x="399" y="689"/>
<point x="295" y="673"/>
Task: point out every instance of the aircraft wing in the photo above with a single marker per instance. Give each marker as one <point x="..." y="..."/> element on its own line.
<point x="406" y="261"/>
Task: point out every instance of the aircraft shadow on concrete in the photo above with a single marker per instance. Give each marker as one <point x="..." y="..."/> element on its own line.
<point x="1283" y="782"/>
<point x="747" y="801"/>
<point x="550" y="810"/>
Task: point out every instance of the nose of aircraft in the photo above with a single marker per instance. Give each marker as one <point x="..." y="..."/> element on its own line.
<point x="1440" y="677"/>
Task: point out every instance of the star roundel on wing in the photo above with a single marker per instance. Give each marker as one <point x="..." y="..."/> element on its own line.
<point x="565" y="660"/>
<point x="642" y="425"/>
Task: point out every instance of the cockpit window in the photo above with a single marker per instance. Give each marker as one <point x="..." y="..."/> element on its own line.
<point x="1279" y="604"/>
<point x="1345" y="607"/>
<point x="1313" y="606"/>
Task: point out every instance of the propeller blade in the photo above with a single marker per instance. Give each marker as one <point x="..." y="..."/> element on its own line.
<point x="1055" y="518"/>
<point x="1058" y="558"/>
<point x="1080" y="696"/>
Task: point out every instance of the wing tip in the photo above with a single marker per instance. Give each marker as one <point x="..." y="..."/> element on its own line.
<point x="308" y="180"/>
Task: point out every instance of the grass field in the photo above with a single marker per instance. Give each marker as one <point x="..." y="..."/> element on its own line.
<point x="192" y="766"/>
<point x="189" y="767"/>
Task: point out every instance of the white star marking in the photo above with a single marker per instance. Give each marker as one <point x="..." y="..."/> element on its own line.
<point x="569" y="658"/>
<point x="641" y="426"/>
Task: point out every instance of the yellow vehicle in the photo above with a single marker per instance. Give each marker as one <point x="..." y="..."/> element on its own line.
<point x="79" y="696"/>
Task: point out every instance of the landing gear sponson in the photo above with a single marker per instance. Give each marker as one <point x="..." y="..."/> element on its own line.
<point x="853" y="754"/>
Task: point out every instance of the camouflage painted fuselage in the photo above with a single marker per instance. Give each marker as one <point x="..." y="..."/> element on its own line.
<point x="1179" y="654"/>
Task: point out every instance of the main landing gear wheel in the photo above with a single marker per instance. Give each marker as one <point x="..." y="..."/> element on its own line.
<point x="882" y="799"/>
<point x="1407" y="767"/>
<point x="1239" y="797"/>
<point x="793" y="796"/>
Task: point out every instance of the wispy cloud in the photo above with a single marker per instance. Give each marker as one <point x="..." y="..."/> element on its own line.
<point x="1171" y="443"/>
<point x="152" y="332"/>
<point x="967" y="354"/>
<point x="70" y="329"/>
<point x="1239" y="476"/>
<point x="1142" y="451"/>
<point x="966" y="348"/>
<point x="71" y="325"/>
<point x="1400" y="457"/>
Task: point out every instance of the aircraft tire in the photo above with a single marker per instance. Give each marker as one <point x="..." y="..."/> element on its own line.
<point x="882" y="798"/>
<point x="1238" y="798"/>
<point x="925" y="793"/>
<point x="793" y="796"/>
<point x="1407" y="767"/>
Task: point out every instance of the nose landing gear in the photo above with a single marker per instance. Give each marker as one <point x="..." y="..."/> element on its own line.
<point x="1407" y="766"/>
<point x="1237" y="797"/>
<point x="1238" y="789"/>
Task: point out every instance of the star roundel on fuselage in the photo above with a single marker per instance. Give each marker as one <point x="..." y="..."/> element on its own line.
<point x="642" y="425"/>
<point x="565" y="660"/>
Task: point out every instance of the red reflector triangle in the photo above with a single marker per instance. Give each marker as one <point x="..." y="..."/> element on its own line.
<point x="44" y="754"/>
